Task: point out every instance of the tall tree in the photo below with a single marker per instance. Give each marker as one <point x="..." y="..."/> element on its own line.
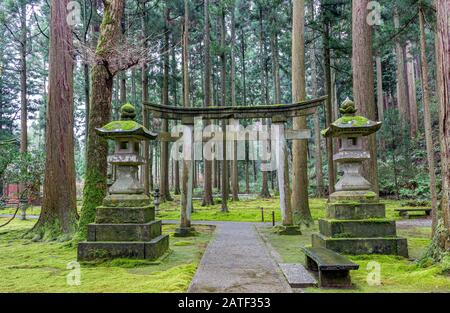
<point x="363" y="80"/>
<point x="412" y="97"/>
<point x="402" y="82"/>
<point x="223" y="78"/>
<point x="164" y="160"/>
<point x="427" y="117"/>
<point x="103" y="73"/>
<point x="59" y="209"/>
<point x="442" y="233"/>
<point x="300" y="199"/>
<point x="317" y="136"/>
<point x="147" y="168"/>
<point x="264" y="90"/>
<point x="328" y="88"/>
<point x="234" y="164"/>
<point x="207" y="193"/>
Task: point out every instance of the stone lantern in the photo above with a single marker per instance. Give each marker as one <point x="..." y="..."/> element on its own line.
<point x="125" y="225"/>
<point x="356" y="221"/>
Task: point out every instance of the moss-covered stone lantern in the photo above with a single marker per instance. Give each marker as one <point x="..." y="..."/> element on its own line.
<point x="125" y="225"/>
<point x="356" y="221"/>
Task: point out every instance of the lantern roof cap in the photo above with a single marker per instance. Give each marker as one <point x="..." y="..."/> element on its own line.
<point x="126" y="127"/>
<point x="351" y="124"/>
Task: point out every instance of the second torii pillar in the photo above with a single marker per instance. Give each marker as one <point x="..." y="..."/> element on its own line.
<point x="288" y="227"/>
<point x="187" y="179"/>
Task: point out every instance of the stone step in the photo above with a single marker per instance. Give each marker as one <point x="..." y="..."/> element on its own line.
<point x="356" y="211"/>
<point x="122" y="215"/>
<point x="357" y="229"/>
<point x="153" y="249"/>
<point x="358" y="246"/>
<point x="124" y="232"/>
<point x="297" y="276"/>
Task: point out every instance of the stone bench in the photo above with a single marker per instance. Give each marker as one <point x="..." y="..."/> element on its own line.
<point x="333" y="268"/>
<point x="404" y="211"/>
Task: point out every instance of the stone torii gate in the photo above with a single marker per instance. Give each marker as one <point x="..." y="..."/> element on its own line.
<point x="279" y="115"/>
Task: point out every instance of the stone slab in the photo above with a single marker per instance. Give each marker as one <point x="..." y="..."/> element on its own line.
<point x="88" y="251"/>
<point x="297" y="276"/>
<point x="357" y="229"/>
<point x="126" y="200"/>
<point x="114" y="215"/>
<point x="356" y="211"/>
<point x="357" y="246"/>
<point x="124" y="232"/>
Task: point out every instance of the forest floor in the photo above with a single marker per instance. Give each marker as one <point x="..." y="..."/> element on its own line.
<point x="397" y="274"/>
<point x="27" y="266"/>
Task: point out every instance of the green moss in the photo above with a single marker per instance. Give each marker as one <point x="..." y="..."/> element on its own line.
<point x="93" y="193"/>
<point x="397" y="274"/>
<point x="122" y="126"/>
<point x="356" y="121"/>
<point x="26" y="266"/>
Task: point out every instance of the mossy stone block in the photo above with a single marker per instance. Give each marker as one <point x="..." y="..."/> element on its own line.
<point x="88" y="251"/>
<point x="357" y="229"/>
<point x="124" y="232"/>
<point x="126" y="201"/>
<point x="355" y="211"/>
<point x="358" y="246"/>
<point x="114" y="215"/>
<point x="153" y="249"/>
<point x="156" y="247"/>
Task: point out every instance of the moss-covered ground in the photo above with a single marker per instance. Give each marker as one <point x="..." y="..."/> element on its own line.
<point x="250" y="210"/>
<point x="27" y="266"/>
<point x="397" y="274"/>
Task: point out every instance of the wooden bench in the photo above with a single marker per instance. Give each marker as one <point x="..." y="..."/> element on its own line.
<point x="333" y="268"/>
<point x="404" y="211"/>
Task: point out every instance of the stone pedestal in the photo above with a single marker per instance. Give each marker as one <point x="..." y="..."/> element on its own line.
<point x="124" y="231"/>
<point x="356" y="221"/>
<point x="125" y="225"/>
<point x="359" y="228"/>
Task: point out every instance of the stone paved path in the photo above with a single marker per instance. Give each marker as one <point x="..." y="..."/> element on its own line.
<point x="237" y="261"/>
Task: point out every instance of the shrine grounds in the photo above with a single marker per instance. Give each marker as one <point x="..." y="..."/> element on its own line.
<point x="27" y="266"/>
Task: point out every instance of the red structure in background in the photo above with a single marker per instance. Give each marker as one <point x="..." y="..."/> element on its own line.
<point x="11" y="195"/>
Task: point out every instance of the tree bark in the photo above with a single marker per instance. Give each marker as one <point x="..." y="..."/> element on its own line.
<point x="329" y="105"/>
<point x="100" y="114"/>
<point x="402" y="88"/>
<point x="264" y="93"/>
<point x="207" y="194"/>
<point x="363" y="81"/>
<point x="317" y="136"/>
<point x="234" y="172"/>
<point x="23" y="78"/>
<point x="380" y="97"/>
<point x="147" y="167"/>
<point x="223" y="89"/>
<point x="412" y="97"/>
<point x="300" y="198"/>
<point x="164" y="159"/>
<point x="427" y="119"/>
<point x="442" y="234"/>
<point x="59" y="210"/>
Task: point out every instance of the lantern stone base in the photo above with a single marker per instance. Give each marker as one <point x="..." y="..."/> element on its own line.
<point x="124" y="232"/>
<point x="359" y="227"/>
<point x="153" y="249"/>
<point x="356" y="246"/>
